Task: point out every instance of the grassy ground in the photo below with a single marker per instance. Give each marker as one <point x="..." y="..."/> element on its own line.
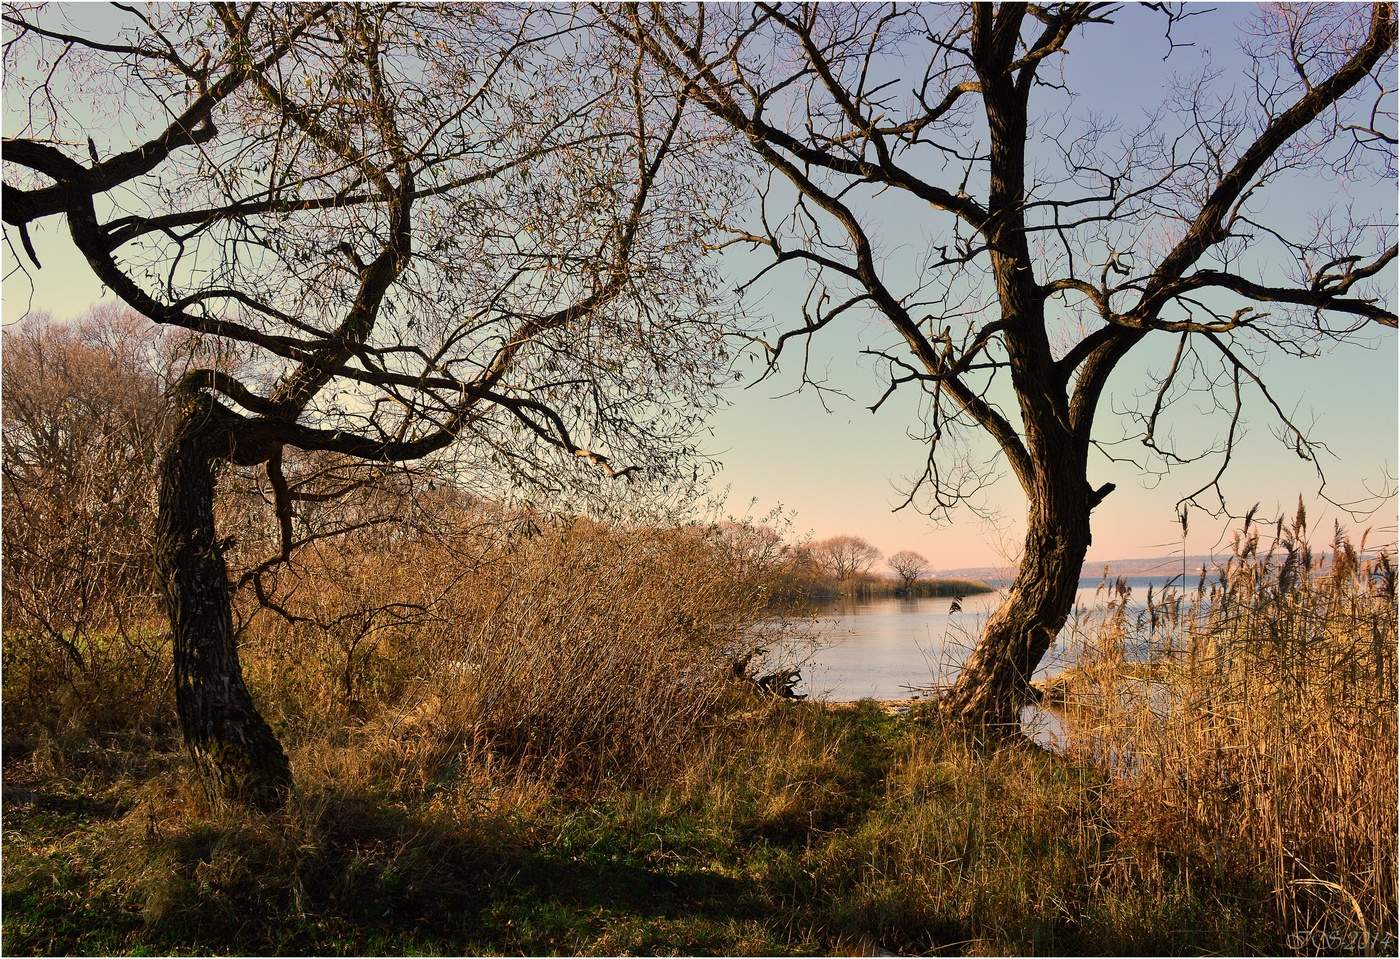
<point x="796" y="831"/>
<point x="559" y="761"/>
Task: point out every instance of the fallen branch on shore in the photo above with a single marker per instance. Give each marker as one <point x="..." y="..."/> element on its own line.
<point x="781" y="683"/>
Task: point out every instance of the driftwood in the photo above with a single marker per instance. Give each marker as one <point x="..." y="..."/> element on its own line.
<point x="780" y="683"/>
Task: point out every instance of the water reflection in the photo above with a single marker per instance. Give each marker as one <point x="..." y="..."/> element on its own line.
<point x="879" y="648"/>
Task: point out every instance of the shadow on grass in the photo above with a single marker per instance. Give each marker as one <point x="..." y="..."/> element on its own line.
<point x="22" y="804"/>
<point x="868" y="837"/>
<point x="349" y="874"/>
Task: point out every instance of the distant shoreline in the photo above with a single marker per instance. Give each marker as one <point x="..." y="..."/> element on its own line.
<point x="938" y="587"/>
<point x="1143" y="566"/>
<point x="1140" y="567"/>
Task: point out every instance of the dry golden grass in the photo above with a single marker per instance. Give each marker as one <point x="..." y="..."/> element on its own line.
<point x="589" y="652"/>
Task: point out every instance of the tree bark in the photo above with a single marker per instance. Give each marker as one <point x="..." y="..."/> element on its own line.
<point x="995" y="682"/>
<point x="235" y="752"/>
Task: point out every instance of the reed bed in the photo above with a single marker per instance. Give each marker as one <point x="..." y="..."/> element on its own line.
<point x="1249" y="727"/>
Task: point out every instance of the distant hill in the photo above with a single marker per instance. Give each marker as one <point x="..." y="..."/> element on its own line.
<point x="1144" y="566"/>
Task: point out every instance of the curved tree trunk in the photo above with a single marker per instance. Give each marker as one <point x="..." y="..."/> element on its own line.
<point x="995" y="682"/>
<point x="233" y="748"/>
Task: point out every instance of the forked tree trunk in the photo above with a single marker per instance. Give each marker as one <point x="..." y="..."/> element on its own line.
<point x="233" y="748"/>
<point x="995" y="682"/>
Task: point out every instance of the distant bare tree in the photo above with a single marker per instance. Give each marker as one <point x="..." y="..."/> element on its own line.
<point x="1059" y="239"/>
<point x="82" y="412"/>
<point x="465" y="233"/>
<point x="908" y="566"/>
<point x="845" y="556"/>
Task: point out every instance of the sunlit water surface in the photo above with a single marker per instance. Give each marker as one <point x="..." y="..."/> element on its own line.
<point x="879" y="649"/>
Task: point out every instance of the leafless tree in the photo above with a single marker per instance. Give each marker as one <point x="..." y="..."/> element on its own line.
<point x="845" y="556"/>
<point x="908" y="566"/>
<point x="82" y="404"/>
<point x="466" y="234"/>
<point x="1059" y="239"/>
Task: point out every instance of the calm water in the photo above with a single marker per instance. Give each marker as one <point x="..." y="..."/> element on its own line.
<point x="878" y="648"/>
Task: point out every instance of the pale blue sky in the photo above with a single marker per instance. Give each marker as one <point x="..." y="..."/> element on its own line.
<point x="838" y="472"/>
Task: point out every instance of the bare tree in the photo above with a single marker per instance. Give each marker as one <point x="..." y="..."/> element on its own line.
<point x="845" y="556"/>
<point x="462" y="233"/>
<point x="1059" y="239"/>
<point x="908" y="566"/>
<point x="82" y="404"/>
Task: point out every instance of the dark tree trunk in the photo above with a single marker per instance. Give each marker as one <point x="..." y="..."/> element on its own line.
<point x="995" y="682"/>
<point x="234" y="750"/>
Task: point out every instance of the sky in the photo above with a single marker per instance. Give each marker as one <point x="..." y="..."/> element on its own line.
<point x="843" y="470"/>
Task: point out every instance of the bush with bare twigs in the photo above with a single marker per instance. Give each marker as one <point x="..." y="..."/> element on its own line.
<point x="81" y="425"/>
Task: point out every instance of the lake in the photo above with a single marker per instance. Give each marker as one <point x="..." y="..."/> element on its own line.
<point x="877" y="648"/>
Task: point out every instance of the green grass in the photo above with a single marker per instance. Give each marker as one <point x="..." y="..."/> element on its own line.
<point x="800" y="832"/>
